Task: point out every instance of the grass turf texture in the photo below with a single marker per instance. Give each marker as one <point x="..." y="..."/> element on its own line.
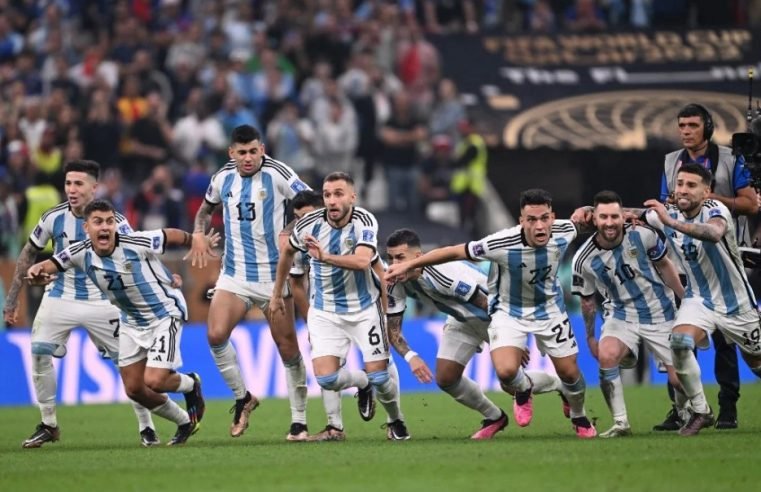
<point x="99" y="449"/>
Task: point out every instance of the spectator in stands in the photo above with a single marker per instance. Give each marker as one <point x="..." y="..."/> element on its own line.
<point x="448" y="111"/>
<point x="469" y="179"/>
<point x="159" y="204"/>
<point x="149" y="140"/>
<point x="335" y="140"/>
<point x="101" y="132"/>
<point x="585" y="16"/>
<point x="198" y="135"/>
<point x="436" y="172"/>
<point x="290" y="139"/>
<point x="400" y="137"/>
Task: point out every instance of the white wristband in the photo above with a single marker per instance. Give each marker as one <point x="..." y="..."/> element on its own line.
<point x="409" y="355"/>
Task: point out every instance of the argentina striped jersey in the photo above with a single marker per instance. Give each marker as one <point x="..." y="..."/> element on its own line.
<point x="331" y="288"/>
<point x="526" y="283"/>
<point x="253" y="208"/>
<point x="715" y="273"/>
<point x="448" y="286"/>
<point x="626" y="277"/>
<point x="60" y="225"/>
<point x="133" y="277"/>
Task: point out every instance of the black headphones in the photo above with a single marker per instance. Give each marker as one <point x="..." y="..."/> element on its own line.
<point x="705" y="116"/>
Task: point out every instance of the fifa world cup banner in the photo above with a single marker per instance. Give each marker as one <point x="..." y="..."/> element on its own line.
<point x="85" y="377"/>
<point x="618" y="89"/>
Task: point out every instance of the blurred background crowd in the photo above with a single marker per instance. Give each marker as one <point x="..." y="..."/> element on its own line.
<point x="152" y="88"/>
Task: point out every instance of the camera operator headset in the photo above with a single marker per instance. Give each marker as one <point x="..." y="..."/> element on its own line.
<point x="732" y="180"/>
<point x="731" y="186"/>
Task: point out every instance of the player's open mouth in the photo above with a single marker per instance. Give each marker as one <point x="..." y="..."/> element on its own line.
<point x="102" y="239"/>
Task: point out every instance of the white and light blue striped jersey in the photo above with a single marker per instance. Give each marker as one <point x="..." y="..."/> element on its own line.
<point x="253" y="208"/>
<point x="133" y="277"/>
<point x="300" y="264"/>
<point x="60" y="225"/>
<point x="715" y="272"/>
<point x="626" y="277"/>
<point x="448" y="287"/>
<point x="526" y="281"/>
<point x="331" y="288"/>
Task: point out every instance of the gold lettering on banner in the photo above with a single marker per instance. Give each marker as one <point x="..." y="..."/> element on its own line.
<point x="656" y="47"/>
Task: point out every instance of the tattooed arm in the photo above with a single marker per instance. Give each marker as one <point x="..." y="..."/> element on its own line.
<point x="589" y="312"/>
<point x="417" y="364"/>
<point x="24" y="261"/>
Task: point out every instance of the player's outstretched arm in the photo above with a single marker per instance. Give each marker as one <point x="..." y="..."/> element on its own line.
<point x="589" y="313"/>
<point x="284" y="263"/>
<point x="398" y="271"/>
<point x="670" y="276"/>
<point x="41" y="273"/>
<point x="201" y="245"/>
<point x="417" y="365"/>
<point x="361" y="259"/>
<point x="24" y="261"/>
<point x="712" y="230"/>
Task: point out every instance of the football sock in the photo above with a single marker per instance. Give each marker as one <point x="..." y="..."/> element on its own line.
<point x="574" y="393"/>
<point x="469" y="393"/>
<point x="227" y="362"/>
<point x="688" y="371"/>
<point x="186" y="383"/>
<point x="543" y="382"/>
<point x="613" y="390"/>
<point x="331" y="401"/>
<point x="171" y="411"/>
<point x="144" y="418"/>
<point x="296" y="380"/>
<point x="45" y="384"/>
<point x="387" y="393"/>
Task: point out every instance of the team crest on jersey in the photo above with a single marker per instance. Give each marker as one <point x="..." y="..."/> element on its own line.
<point x="128" y="266"/>
<point x="633" y="252"/>
<point x="478" y="249"/>
<point x="349" y="242"/>
<point x="262" y="194"/>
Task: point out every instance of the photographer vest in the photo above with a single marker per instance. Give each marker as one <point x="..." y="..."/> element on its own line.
<point x="723" y="168"/>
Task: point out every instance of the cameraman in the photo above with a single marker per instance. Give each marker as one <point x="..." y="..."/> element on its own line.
<point x="732" y="188"/>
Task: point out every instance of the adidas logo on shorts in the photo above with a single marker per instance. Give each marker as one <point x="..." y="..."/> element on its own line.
<point x="377" y="351"/>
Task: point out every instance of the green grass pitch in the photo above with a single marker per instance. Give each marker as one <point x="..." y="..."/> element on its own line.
<point x="99" y="450"/>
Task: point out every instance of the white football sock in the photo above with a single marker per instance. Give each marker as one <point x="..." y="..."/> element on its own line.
<point x="186" y="383"/>
<point x="469" y="393"/>
<point x="613" y="390"/>
<point x="296" y="380"/>
<point x="227" y="362"/>
<point x="544" y="382"/>
<point x="45" y="385"/>
<point x="331" y="401"/>
<point x="171" y="411"/>
<point x="574" y="393"/>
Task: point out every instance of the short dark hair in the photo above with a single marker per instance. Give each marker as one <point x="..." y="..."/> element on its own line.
<point x="705" y="116"/>
<point x="83" y="166"/>
<point x="536" y="196"/>
<point x="98" y="206"/>
<point x="693" y="168"/>
<point x="606" y="197"/>
<point x="339" y="176"/>
<point x="400" y="237"/>
<point x="307" y="198"/>
<point x="244" y="134"/>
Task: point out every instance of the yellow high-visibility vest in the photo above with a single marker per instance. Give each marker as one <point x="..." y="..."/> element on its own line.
<point x="472" y="177"/>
